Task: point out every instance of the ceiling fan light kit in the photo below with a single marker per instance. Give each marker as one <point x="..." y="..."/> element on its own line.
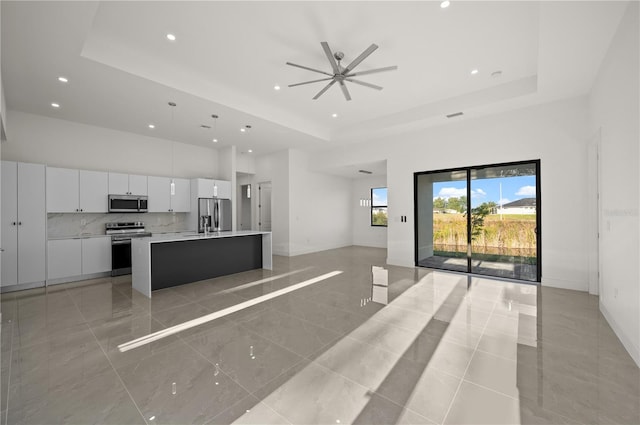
<point x="342" y="74"/>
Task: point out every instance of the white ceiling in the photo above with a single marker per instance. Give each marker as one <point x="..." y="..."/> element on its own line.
<point x="228" y="56"/>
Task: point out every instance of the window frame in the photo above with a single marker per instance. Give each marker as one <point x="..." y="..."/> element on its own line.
<point x="386" y="207"/>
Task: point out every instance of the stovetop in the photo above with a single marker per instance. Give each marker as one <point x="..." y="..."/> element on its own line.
<point x="132" y="228"/>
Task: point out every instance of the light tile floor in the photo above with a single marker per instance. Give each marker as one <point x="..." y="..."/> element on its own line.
<point x="430" y="347"/>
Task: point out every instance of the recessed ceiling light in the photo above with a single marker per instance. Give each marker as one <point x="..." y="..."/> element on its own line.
<point x="215" y="140"/>
<point x="55" y="105"/>
<point x="445" y="4"/>
<point x="334" y="115"/>
<point x="171" y="37"/>
<point x="242" y="130"/>
<point x="63" y="80"/>
<point x="250" y="150"/>
<point x="276" y="87"/>
<point x="474" y="71"/>
<point x="151" y="126"/>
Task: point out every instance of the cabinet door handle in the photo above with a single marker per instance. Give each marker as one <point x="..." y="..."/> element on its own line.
<point x="13" y="223"/>
<point x="19" y="223"/>
<point x="1" y="249"/>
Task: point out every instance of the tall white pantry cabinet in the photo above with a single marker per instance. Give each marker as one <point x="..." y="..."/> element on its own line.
<point x="23" y="223"/>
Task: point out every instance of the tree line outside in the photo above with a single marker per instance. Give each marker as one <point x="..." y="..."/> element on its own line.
<point x="507" y="234"/>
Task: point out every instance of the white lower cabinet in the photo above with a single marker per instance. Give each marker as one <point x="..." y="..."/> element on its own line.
<point x="69" y="258"/>
<point x="96" y="255"/>
<point x="64" y="258"/>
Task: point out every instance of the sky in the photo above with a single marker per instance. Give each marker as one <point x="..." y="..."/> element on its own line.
<point x="486" y="190"/>
<point x="379" y="196"/>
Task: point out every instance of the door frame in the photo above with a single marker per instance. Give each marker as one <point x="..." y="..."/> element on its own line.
<point x="468" y="170"/>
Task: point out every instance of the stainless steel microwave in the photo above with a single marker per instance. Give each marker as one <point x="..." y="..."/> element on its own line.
<point x="128" y="203"/>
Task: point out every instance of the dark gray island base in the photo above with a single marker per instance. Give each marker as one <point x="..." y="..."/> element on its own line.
<point x="169" y="260"/>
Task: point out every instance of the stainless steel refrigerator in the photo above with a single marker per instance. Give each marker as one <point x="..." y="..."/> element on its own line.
<point x="216" y="213"/>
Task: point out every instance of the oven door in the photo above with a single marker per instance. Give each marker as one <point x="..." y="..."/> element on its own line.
<point x="120" y="256"/>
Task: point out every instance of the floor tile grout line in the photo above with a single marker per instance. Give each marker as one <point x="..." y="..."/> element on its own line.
<point x="464" y="373"/>
<point x="6" y="413"/>
<point x="109" y="360"/>
<point x="374" y="391"/>
<point x="233" y="380"/>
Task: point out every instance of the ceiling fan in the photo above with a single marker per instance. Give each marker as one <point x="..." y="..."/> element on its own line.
<point x="341" y="74"/>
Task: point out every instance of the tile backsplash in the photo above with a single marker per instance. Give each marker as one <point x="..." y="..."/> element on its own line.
<point x="77" y="224"/>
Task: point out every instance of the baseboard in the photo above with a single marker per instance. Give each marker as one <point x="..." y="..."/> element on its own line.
<point x="311" y="249"/>
<point x="564" y="284"/>
<point x="402" y="262"/>
<point x="632" y="349"/>
<point x="21" y="287"/>
<point x="77" y="278"/>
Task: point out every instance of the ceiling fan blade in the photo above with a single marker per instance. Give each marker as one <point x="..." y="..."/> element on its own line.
<point x="362" y="83"/>
<point x="309" y="82"/>
<point x="345" y="91"/>
<point x="332" y="60"/>
<point x="372" y="71"/>
<point x="360" y="58"/>
<point x="309" y="69"/>
<point x="321" y="92"/>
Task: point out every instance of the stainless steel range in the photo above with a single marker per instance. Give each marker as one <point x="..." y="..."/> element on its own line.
<point x="121" y="235"/>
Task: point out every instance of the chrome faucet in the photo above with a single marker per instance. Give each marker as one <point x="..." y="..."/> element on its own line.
<point x="204" y="220"/>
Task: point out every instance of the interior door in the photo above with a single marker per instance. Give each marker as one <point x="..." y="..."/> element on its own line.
<point x="264" y="206"/>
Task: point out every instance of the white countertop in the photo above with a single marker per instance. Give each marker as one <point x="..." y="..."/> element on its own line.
<point x="190" y="236"/>
<point x="81" y="236"/>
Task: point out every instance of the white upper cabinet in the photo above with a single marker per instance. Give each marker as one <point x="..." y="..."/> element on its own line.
<point x="137" y="184"/>
<point x="181" y="201"/>
<point x="127" y="184"/>
<point x="208" y="188"/>
<point x="94" y="191"/>
<point x="159" y="192"/>
<point x="71" y="190"/>
<point x="161" y="199"/>
<point x="223" y="189"/>
<point x="204" y="187"/>
<point x="63" y="190"/>
<point x="118" y="184"/>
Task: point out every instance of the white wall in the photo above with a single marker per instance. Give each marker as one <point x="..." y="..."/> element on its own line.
<point x="320" y="207"/>
<point x="615" y="113"/>
<point x="362" y="232"/>
<point x="60" y="143"/>
<point x="274" y="168"/>
<point x="227" y="171"/>
<point x="555" y="133"/>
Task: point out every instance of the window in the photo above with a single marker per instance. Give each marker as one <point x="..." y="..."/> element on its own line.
<point x="379" y="206"/>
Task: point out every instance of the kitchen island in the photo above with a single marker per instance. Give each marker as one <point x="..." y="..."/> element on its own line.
<point x="166" y="260"/>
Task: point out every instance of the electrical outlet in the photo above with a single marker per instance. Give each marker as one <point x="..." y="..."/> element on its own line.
<point x="83" y="222"/>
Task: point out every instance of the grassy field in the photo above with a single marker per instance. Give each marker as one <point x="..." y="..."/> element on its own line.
<point x="512" y="235"/>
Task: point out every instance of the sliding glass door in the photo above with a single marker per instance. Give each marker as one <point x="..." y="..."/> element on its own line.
<point x="482" y="220"/>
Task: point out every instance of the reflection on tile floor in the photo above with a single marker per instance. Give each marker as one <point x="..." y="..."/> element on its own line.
<point x="375" y="344"/>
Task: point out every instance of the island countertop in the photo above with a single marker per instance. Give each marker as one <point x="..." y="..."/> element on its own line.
<point x="190" y="236"/>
